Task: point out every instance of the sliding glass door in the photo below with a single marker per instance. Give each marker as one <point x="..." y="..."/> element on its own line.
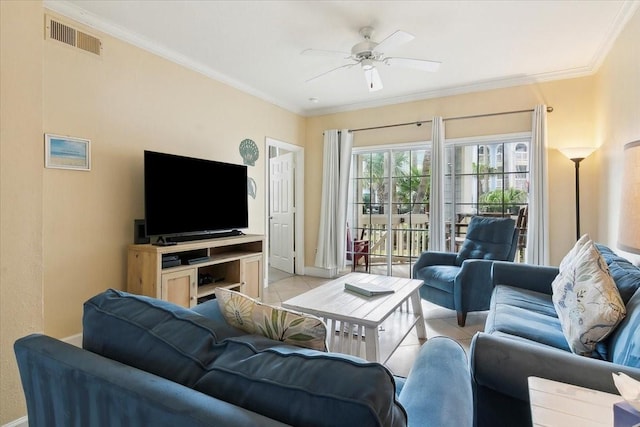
<point x="389" y="208"/>
<point x="388" y="214"/>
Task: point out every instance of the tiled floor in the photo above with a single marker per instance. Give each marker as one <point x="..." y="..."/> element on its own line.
<point x="276" y="275"/>
<point x="439" y="320"/>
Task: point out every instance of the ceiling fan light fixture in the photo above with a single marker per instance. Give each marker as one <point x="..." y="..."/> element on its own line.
<point x="374" y="83"/>
<point x="367" y="64"/>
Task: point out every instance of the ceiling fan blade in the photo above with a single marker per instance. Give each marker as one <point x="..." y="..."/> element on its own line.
<point x="320" y="52"/>
<point x="420" y="64"/>
<point x="372" y="77"/>
<point x="394" y="40"/>
<point x="330" y="71"/>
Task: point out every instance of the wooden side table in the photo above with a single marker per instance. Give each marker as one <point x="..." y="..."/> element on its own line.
<point x="564" y="405"/>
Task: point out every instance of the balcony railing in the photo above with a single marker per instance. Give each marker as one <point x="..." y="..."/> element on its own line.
<point x="408" y="233"/>
<point x="409" y="236"/>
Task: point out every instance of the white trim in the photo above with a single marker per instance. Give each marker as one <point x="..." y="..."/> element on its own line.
<point x="457" y="90"/>
<point x="467" y="140"/>
<point x="321" y="272"/>
<point x="504" y="137"/>
<point x="20" y="422"/>
<point x="627" y="10"/>
<point x="299" y="195"/>
<point x="385" y="147"/>
<point x="72" y="11"/>
<point x="74" y="340"/>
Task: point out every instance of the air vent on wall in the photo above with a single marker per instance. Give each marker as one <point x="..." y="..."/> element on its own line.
<point x="63" y="33"/>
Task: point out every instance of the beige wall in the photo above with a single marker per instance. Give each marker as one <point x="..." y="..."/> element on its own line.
<point x="618" y="111"/>
<point x="570" y="124"/>
<point x="21" y="163"/>
<point x="65" y="233"/>
<point x="126" y="101"/>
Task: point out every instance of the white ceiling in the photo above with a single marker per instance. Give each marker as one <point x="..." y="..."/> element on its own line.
<point x="256" y="46"/>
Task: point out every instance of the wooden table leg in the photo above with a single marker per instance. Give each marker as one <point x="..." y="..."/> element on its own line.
<point x="416" y="301"/>
<point x="372" y="343"/>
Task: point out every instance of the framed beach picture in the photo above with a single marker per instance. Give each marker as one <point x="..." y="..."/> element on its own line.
<point x="65" y="152"/>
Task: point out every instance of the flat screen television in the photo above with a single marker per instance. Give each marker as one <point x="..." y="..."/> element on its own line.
<point x="187" y="198"/>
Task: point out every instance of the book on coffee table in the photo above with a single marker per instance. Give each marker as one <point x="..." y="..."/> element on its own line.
<point x="367" y="289"/>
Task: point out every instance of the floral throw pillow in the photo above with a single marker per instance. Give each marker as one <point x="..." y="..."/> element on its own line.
<point x="276" y="323"/>
<point x="573" y="253"/>
<point x="586" y="299"/>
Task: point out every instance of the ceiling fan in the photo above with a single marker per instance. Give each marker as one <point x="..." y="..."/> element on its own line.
<point x="369" y="54"/>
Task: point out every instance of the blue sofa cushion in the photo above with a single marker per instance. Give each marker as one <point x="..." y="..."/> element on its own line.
<point x="440" y="276"/>
<point x="624" y="342"/>
<point x="211" y="310"/>
<point x="525" y="314"/>
<point x="438" y="390"/>
<point x="303" y="387"/>
<point x="625" y="274"/>
<point x="66" y="386"/>
<point x="487" y="238"/>
<point x="150" y="334"/>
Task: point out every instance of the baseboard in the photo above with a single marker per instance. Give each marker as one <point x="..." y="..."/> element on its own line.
<point x="20" y="422"/>
<point x="74" y="340"/>
<point x="326" y="273"/>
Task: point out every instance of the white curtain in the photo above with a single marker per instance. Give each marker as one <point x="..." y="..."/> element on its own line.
<point x="333" y="210"/>
<point x="436" y="202"/>
<point x="537" y="251"/>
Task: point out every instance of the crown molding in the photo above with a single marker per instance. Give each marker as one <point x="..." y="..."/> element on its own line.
<point x="627" y="10"/>
<point x="457" y="90"/>
<point x="77" y="14"/>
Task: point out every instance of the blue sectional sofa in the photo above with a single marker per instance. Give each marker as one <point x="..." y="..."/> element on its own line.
<point x="146" y="362"/>
<point x="523" y="337"/>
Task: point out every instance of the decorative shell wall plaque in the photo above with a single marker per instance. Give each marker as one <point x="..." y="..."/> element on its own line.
<point x="251" y="187"/>
<point x="249" y="152"/>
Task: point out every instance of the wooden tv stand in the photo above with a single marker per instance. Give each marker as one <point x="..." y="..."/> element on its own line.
<point x="231" y="262"/>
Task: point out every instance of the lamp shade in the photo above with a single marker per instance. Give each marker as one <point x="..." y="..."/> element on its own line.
<point x="629" y="231"/>
<point x="577" y="152"/>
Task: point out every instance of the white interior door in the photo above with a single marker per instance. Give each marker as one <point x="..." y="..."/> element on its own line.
<point x="281" y="212"/>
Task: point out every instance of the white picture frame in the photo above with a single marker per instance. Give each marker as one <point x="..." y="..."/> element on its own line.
<point x="66" y="152"/>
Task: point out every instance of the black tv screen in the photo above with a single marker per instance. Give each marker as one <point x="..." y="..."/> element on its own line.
<point x="186" y="195"/>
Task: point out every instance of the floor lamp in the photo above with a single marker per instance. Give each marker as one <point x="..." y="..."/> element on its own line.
<point x="629" y="228"/>
<point x="576" y="155"/>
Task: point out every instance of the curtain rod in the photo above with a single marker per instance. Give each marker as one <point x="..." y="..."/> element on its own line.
<point x="419" y="123"/>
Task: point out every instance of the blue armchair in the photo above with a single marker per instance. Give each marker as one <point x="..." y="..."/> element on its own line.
<point x="462" y="281"/>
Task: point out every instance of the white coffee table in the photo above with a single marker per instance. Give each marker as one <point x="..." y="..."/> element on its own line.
<point x="565" y="405"/>
<point x="360" y="319"/>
